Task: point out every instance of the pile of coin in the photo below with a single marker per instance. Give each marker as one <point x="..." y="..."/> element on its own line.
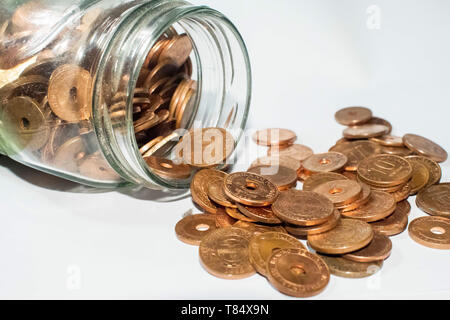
<point x="353" y="199"/>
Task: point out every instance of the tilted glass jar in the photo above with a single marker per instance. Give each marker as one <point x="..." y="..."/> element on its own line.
<point x="65" y="64"/>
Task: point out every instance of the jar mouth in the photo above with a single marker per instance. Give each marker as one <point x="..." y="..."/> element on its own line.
<point x="221" y="67"/>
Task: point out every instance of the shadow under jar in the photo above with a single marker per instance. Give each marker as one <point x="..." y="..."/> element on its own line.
<point x="100" y="92"/>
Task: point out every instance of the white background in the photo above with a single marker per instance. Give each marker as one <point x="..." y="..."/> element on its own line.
<point x="309" y="58"/>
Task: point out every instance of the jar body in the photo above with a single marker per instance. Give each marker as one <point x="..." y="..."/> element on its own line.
<point x="71" y="75"/>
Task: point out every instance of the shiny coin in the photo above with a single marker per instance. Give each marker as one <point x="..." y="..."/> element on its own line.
<point x="297" y="272"/>
<point x="34" y="86"/>
<point x="377" y="250"/>
<point x="42" y="68"/>
<point x="167" y="169"/>
<point x="284" y="178"/>
<point x="317" y="179"/>
<point x="235" y="214"/>
<point x="69" y="93"/>
<point x="303" y="208"/>
<point x="185" y="110"/>
<point x="433" y="232"/>
<point x="402" y="194"/>
<point x="224" y="253"/>
<point x="395" y="223"/>
<point x="260" y="214"/>
<point x="262" y="246"/>
<point x="177" y="50"/>
<point x="277" y="160"/>
<point x="274" y="137"/>
<point x="351" y="175"/>
<point x="425" y="147"/>
<point x="380" y="205"/>
<point x="320" y="228"/>
<point x="258" y="228"/>
<point x="340" y="192"/>
<point x="69" y="154"/>
<point x="223" y="220"/>
<point x="420" y="177"/>
<point x="95" y="167"/>
<point x="325" y="162"/>
<point x="296" y="151"/>
<point x="250" y="189"/>
<point x="216" y="193"/>
<point x="163" y="69"/>
<point x="345" y="268"/>
<point x="397" y="151"/>
<point x="349" y="235"/>
<point x="193" y="228"/>
<point x="146" y="147"/>
<point x="356" y="151"/>
<point x="353" y="116"/>
<point x="145" y="122"/>
<point x="383" y="122"/>
<point x="384" y="170"/>
<point x="434" y="170"/>
<point x="389" y="141"/>
<point x="435" y="200"/>
<point x="363" y="199"/>
<point x="365" y="131"/>
<point x="199" y="188"/>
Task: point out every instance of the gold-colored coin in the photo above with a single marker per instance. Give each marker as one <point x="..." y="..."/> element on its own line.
<point x="389" y="141"/>
<point x="199" y="188"/>
<point x="145" y="122"/>
<point x="351" y="175"/>
<point x="284" y="178"/>
<point x="224" y="253"/>
<point x="402" y="194"/>
<point x="396" y="151"/>
<point x="352" y="116"/>
<point x="345" y="268"/>
<point x="425" y="147"/>
<point x="356" y="151"/>
<point x="433" y="232"/>
<point x="435" y="200"/>
<point x="325" y="162"/>
<point x="340" y="192"/>
<point x="180" y="94"/>
<point x="260" y="214"/>
<point x="167" y="169"/>
<point x="235" y="214"/>
<point x="69" y="93"/>
<point x="177" y="50"/>
<point x="193" y="228"/>
<point x="434" y="169"/>
<point x="95" y="167"/>
<point x="365" y="131"/>
<point x="274" y="137"/>
<point x="262" y="246"/>
<point x="69" y="154"/>
<point x="297" y="272"/>
<point x="395" y="223"/>
<point x="42" y="68"/>
<point x="420" y="177"/>
<point x="303" y="208"/>
<point x="223" y="220"/>
<point x="298" y="152"/>
<point x="365" y="197"/>
<point x="277" y="160"/>
<point x="186" y="109"/>
<point x="383" y="122"/>
<point x="163" y="145"/>
<point x="146" y="147"/>
<point x="349" y="235"/>
<point x="378" y="249"/>
<point x="258" y="228"/>
<point x="217" y="194"/>
<point x="384" y="170"/>
<point x="250" y="189"/>
<point x="34" y="86"/>
<point x="310" y="230"/>
<point x="163" y="69"/>
<point x="303" y="175"/>
<point x="380" y="205"/>
<point x="317" y="179"/>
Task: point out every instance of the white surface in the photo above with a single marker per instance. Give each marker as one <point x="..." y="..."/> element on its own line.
<point x="309" y="58"/>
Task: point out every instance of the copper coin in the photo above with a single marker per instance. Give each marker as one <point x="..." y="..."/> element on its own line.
<point x="68" y="155"/>
<point x="383" y="122"/>
<point x="199" y="188"/>
<point x="433" y="232"/>
<point x="420" y="177"/>
<point x="297" y="272"/>
<point x="434" y="169"/>
<point x="395" y="223"/>
<point x="319" y="178"/>
<point x="250" y="189"/>
<point x="435" y="200"/>
<point x="69" y="93"/>
<point x="34" y="86"/>
<point x="351" y="175"/>
<point x="235" y="214"/>
<point x="161" y="146"/>
<point x="146" y="147"/>
<point x="284" y="178"/>
<point x="384" y="170"/>
<point x="186" y="109"/>
<point x="353" y="116"/>
<point x="402" y="194"/>
<point x="425" y="147"/>
<point x="396" y="151"/>
<point x="277" y="160"/>
<point x="262" y="246"/>
<point x="260" y="214"/>
<point x="349" y="235"/>
<point x="163" y="69"/>
<point x="42" y="68"/>
<point x="177" y="50"/>
<point x="96" y="167"/>
<point x="320" y="228"/>
<point x="365" y="131"/>
<point x="377" y="250"/>
<point x="303" y="175"/>
<point x="365" y="197"/>
<point x="356" y="151"/>
<point x="303" y="208"/>
<point x="180" y="94"/>
<point x="145" y="122"/>
<point x="274" y="137"/>
<point x="325" y="162"/>
<point x="216" y="193"/>
<point x="224" y="253"/>
<point x="380" y="205"/>
<point x="205" y="147"/>
<point x="223" y="220"/>
<point x="167" y="169"/>
<point x="296" y="151"/>
<point x="153" y="56"/>
<point x="193" y="228"/>
<point x="340" y="192"/>
<point x="345" y="268"/>
<point x="389" y="141"/>
<point x="258" y="228"/>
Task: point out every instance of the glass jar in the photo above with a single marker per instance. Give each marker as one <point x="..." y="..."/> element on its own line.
<point x="72" y="83"/>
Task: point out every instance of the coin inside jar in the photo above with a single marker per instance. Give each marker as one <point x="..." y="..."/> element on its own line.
<point x="384" y="170"/>
<point x="303" y="208"/>
<point x="297" y="272"/>
<point x="69" y="154"/>
<point x="435" y="200"/>
<point x="345" y="268"/>
<point x="274" y="137"/>
<point x="224" y="253"/>
<point x="95" y="167"/>
<point x="356" y="151"/>
<point x="193" y="228"/>
<point x="365" y="131"/>
<point x="250" y="189"/>
<point x="433" y="232"/>
<point x="353" y="116"/>
<point x="317" y="179"/>
<point x="302" y="231"/>
<point x="260" y="214"/>
<point x="425" y="147"/>
<point x="284" y="178"/>
<point x="199" y="188"/>
<point x="298" y="152"/>
<point x="262" y="246"/>
<point x="395" y="223"/>
<point x="379" y="206"/>
<point x="325" y="162"/>
<point x="177" y="50"/>
<point x="340" y="192"/>
<point x="377" y="250"/>
<point x="349" y="235"/>
<point x="167" y="169"/>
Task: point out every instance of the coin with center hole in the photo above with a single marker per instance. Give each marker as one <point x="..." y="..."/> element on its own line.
<point x="319" y="178"/>
<point x="340" y="192"/>
<point x="274" y="137"/>
<point x="395" y="223"/>
<point x="69" y="154"/>
<point x="425" y="147"/>
<point x="236" y="214"/>
<point x="284" y="178"/>
<point x="433" y="232"/>
<point x="325" y="162"/>
<point x="260" y="214"/>
<point x="389" y="141"/>
<point x="365" y="131"/>
<point x="377" y="250"/>
<point x="199" y="188"/>
<point x="353" y="116"/>
<point x="277" y="160"/>
<point x="167" y="169"/>
<point x="298" y="152"/>
<point x="435" y="200"/>
<point x="345" y="268"/>
<point x="95" y="167"/>
<point x="217" y="194"/>
<point x="356" y="151"/>
<point x="258" y="228"/>
<point x="310" y="230"/>
<point x="363" y="199"/>
<point x="376" y="120"/>
<point x="223" y="220"/>
<point x="379" y="206"/>
<point x="193" y="228"/>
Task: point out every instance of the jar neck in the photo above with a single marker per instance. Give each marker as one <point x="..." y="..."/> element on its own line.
<point x="221" y="66"/>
